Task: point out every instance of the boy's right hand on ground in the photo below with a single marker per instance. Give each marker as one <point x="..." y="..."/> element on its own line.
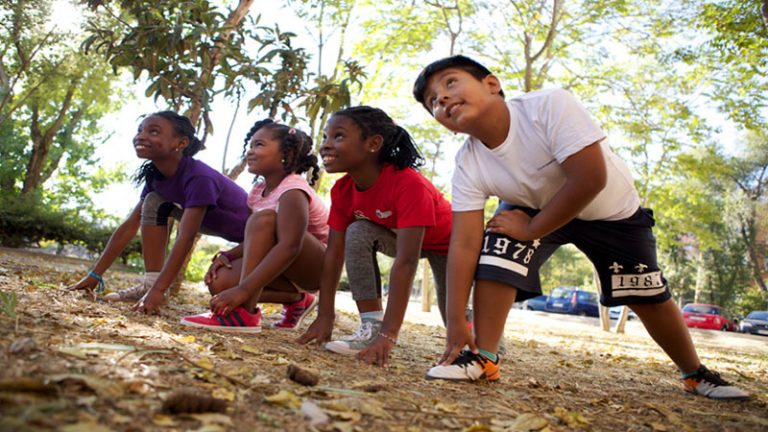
<point x="457" y="337"/>
<point x="218" y="262"/>
<point x="319" y="331"/>
<point x="87" y="282"/>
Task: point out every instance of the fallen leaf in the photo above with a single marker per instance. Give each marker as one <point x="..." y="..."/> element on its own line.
<point x="529" y="422"/>
<point x="163" y="420"/>
<point x="223" y="393"/>
<point x="478" y="428"/>
<point x="285" y="398"/>
<point x="85" y="427"/>
<point x="187" y="339"/>
<point x="446" y="407"/>
<point x="22" y="346"/>
<point x="204" y="362"/>
<point x="213" y="418"/>
<point x="102" y="387"/>
<point x="573" y="419"/>
<point x="250" y="349"/>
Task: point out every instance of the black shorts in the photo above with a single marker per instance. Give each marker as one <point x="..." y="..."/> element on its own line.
<point x="623" y="253"/>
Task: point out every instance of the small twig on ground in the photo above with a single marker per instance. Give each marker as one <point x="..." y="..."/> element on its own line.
<point x="440" y="413"/>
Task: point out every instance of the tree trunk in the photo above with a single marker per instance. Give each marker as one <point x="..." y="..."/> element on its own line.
<point x="42" y="141"/>
<point x="754" y="260"/>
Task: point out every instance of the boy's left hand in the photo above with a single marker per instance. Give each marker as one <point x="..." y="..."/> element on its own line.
<point x="377" y="352"/>
<point x="513" y="223"/>
<point x="151" y="302"/>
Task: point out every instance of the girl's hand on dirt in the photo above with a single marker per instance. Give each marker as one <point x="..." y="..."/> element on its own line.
<point x="377" y="352"/>
<point x="224" y="302"/>
<point x="87" y="282"/>
<point x="319" y="331"/>
<point x="513" y="223"/>
<point x="218" y="262"/>
<point x="151" y="302"/>
<point x="458" y="336"/>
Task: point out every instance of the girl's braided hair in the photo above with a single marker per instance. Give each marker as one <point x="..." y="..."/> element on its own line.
<point x="295" y="145"/>
<point x="182" y="126"/>
<point x="398" y="147"/>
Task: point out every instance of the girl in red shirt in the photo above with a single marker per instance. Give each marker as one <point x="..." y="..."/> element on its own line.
<point x="383" y="204"/>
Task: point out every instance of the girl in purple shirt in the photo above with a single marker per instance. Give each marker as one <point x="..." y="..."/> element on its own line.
<point x="178" y="186"/>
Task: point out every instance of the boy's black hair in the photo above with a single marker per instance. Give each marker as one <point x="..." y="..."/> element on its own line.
<point x="295" y="145"/>
<point x="182" y="126"/>
<point x="458" y="62"/>
<point x="398" y="147"/>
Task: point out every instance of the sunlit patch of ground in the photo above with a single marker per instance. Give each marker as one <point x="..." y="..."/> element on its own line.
<point x="69" y="363"/>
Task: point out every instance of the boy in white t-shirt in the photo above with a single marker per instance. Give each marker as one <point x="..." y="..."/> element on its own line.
<point x="559" y="182"/>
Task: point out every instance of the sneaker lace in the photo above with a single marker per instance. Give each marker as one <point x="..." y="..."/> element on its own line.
<point x="714" y="378"/>
<point x="465" y="358"/>
<point x="363" y="332"/>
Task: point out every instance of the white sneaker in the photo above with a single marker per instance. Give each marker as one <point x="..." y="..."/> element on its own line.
<point x="468" y="366"/>
<point x="132" y="294"/>
<point x="709" y="384"/>
<point x="365" y="334"/>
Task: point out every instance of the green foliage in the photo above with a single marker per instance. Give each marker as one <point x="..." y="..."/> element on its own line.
<point x="750" y="299"/>
<point x="568" y="266"/>
<point x="200" y="261"/>
<point x="25" y="220"/>
<point x="8" y="302"/>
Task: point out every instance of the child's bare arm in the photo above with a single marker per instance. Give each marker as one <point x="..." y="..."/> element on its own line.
<point x="463" y="253"/>
<point x="409" y="242"/>
<point x="333" y="261"/>
<point x="189" y="226"/>
<point x="585" y="177"/>
<point x="117" y="242"/>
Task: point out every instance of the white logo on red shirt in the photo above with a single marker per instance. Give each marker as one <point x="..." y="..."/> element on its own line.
<point x="383" y="215"/>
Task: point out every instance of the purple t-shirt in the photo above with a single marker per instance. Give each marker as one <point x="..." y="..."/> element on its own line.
<point x="195" y="184"/>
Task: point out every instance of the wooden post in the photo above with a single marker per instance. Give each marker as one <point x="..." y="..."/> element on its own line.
<point x="426" y="291"/>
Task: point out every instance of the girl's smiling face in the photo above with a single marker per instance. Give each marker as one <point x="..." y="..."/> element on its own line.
<point x="156" y="139"/>
<point x="344" y="149"/>
<point x="264" y="156"/>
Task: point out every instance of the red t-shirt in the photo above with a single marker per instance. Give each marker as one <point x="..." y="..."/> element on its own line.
<point x="399" y="199"/>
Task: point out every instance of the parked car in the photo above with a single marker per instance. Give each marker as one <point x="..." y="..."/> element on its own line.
<point x="615" y="313"/>
<point x="756" y="322"/>
<point x="571" y="300"/>
<point x="706" y="316"/>
<point x="536" y="303"/>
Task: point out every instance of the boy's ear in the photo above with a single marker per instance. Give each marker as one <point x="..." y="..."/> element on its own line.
<point x="492" y="83"/>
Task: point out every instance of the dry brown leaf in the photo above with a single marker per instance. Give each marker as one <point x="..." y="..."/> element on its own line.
<point x="285" y="398"/>
<point x="529" y="422"/>
<point x="102" y="387"/>
<point x="85" y="427"/>
<point x="573" y="419"/>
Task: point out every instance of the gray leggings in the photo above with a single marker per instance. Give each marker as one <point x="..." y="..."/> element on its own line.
<point x="362" y="240"/>
<point x="155" y="210"/>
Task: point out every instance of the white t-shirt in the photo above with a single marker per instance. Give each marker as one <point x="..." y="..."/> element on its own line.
<point x="546" y="127"/>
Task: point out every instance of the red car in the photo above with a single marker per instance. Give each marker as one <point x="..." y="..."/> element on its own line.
<point x="706" y="316"/>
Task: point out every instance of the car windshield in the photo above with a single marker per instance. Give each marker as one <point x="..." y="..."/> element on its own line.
<point x="561" y="293"/>
<point x="758" y="315"/>
<point x="702" y="309"/>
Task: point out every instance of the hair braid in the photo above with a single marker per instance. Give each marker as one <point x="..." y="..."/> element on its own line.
<point x="398" y="147"/>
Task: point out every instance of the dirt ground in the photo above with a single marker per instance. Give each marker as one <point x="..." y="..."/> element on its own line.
<point x="72" y="364"/>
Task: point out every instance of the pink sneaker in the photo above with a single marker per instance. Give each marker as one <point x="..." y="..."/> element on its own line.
<point x="239" y="321"/>
<point x="294" y="313"/>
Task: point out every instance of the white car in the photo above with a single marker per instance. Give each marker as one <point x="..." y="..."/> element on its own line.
<point x="615" y="313"/>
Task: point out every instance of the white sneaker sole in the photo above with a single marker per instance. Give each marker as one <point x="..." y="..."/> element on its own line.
<point x="222" y="328"/>
<point x="341" y="348"/>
